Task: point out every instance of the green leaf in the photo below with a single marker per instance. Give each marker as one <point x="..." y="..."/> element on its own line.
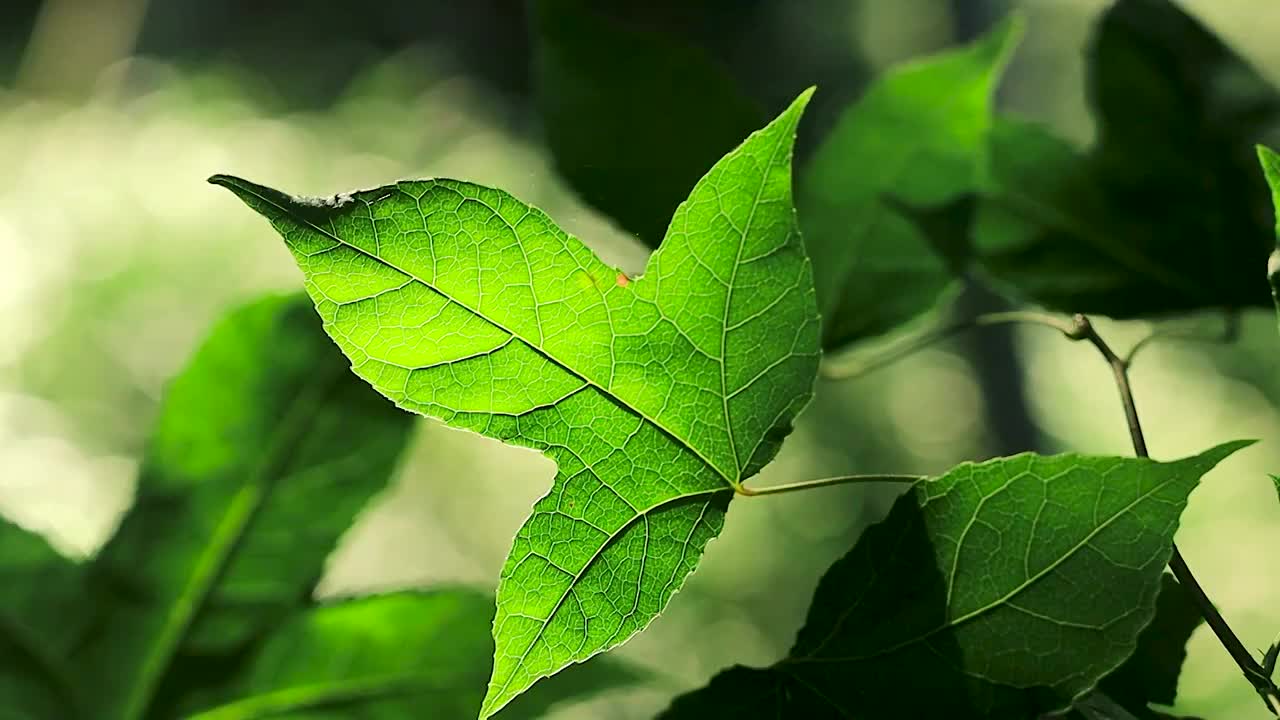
<point x="1158" y="217"/>
<point x="654" y="395"/>
<point x="31" y="687"/>
<point x="265" y="450"/>
<point x="37" y="594"/>
<point x="916" y="137"/>
<point x="633" y="118"/>
<point x="1003" y="589"/>
<point x="1271" y="171"/>
<point x="39" y="590"/>
<point x="1150" y="674"/>
<point x="386" y="656"/>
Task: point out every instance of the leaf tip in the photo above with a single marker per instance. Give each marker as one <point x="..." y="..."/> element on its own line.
<point x="1217" y="454"/>
<point x="797" y="106"/>
<point x="1270" y="161"/>
<point x="237" y="185"/>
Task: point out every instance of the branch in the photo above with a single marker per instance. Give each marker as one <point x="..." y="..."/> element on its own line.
<point x="912" y="345"/>
<point x="1253" y="672"/>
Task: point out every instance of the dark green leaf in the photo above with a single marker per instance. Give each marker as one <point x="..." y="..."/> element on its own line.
<point x="37" y="594"/>
<point x="1097" y="705"/>
<point x="31" y="686"/>
<point x="39" y="589"/>
<point x="265" y="450"/>
<point x="633" y="117"/>
<point x="1150" y="675"/>
<point x="1165" y="214"/>
<point x="917" y="138"/>
<point x="387" y="657"/>
<point x="655" y="396"/>
<point x="979" y="593"/>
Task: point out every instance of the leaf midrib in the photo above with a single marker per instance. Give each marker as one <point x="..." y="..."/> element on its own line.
<point x="225" y="539"/>
<point x="249" y="188"/>
<point x="319" y="694"/>
<point x="640" y="514"/>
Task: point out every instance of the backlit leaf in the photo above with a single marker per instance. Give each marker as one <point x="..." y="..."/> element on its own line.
<point x="654" y="395"/>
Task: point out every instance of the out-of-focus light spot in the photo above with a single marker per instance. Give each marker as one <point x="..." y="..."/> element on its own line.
<point x="934" y="405"/>
<point x="53" y="488"/>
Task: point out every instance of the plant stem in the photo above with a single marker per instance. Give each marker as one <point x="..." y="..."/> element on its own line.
<point x="1253" y="672"/>
<point x="920" y="342"/>
<point x="827" y="481"/>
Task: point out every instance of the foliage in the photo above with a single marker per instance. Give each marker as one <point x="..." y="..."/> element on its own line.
<point x="265" y="451"/>
<point x="656" y="396"/>
<point x="1193" y="222"/>
<point x="1019" y="587"/>
<point x="977" y="593"/>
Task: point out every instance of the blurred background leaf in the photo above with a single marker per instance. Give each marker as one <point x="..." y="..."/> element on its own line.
<point x="266" y="449"/>
<point x="916" y="137"/>
<point x="115" y="257"/>
<point x="387" y="657"/>
<point x="1163" y="214"/>
<point x="632" y="118"/>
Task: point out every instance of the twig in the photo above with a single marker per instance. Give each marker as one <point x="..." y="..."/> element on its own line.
<point x="827" y="481"/>
<point x="1253" y="672"/>
<point x="920" y="342"/>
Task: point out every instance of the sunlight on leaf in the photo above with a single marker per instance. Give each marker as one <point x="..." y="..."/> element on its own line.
<point x="654" y="395"/>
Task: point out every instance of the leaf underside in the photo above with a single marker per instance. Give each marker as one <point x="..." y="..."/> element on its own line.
<point x="654" y="395"/>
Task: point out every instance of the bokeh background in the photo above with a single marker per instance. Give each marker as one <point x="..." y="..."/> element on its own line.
<point x="115" y="257"/>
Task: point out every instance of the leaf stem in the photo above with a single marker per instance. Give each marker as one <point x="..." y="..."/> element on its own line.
<point x="1253" y="672"/>
<point x="827" y="481"/>
<point x="850" y="370"/>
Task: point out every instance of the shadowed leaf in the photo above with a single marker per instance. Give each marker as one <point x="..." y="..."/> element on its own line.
<point x="633" y="118"/>
<point x="978" y="594"/>
<point x="1165" y="213"/>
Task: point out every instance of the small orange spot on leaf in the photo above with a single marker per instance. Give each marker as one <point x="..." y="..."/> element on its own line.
<point x="623" y="280"/>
